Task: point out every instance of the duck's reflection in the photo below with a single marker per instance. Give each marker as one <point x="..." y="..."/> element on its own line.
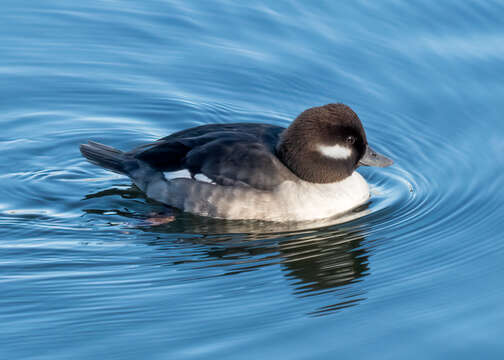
<point x="326" y="259"/>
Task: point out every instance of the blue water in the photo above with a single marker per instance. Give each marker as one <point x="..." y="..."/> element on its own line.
<point x="419" y="276"/>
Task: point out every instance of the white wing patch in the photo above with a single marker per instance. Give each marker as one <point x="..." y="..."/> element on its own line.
<point x="335" y="151"/>
<point x="185" y="174"/>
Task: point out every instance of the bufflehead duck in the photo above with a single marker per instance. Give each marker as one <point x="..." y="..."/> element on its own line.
<point x="255" y="171"/>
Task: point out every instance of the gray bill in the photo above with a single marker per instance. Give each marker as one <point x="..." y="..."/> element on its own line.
<point x="372" y="158"/>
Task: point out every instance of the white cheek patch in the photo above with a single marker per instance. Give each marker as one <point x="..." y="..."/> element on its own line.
<point x="335" y="151"/>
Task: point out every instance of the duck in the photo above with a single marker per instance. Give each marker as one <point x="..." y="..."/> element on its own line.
<point x="254" y="171"/>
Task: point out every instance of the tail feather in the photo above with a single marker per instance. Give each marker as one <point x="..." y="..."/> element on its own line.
<point x="105" y="156"/>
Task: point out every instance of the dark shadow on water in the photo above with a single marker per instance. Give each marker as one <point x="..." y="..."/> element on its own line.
<point x="325" y="259"/>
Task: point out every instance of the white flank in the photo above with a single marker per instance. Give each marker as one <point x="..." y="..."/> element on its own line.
<point x="290" y="201"/>
<point x="335" y="151"/>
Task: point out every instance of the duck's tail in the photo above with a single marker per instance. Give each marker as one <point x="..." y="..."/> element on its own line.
<point x="105" y="156"/>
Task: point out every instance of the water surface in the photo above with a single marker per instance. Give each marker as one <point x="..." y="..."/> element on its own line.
<point x="418" y="275"/>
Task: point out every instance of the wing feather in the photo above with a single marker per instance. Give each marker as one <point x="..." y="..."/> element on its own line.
<point x="230" y="154"/>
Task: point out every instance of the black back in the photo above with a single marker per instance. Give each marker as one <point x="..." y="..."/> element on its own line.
<point x="229" y="154"/>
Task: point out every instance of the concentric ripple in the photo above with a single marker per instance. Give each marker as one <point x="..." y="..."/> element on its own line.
<point x="328" y="259"/>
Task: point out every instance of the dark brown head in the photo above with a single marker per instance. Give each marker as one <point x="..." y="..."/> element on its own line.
<point x="326" y="144"/>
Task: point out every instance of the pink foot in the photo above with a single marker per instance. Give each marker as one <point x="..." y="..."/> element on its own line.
<point x="156" y="221"/>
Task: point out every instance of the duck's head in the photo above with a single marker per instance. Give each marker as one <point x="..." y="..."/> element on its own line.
<point x="326" y="144"/>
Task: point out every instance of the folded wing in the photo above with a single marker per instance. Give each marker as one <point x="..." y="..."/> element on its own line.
<point x="230" y="155"/>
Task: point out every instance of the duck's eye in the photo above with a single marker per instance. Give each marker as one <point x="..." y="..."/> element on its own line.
<point x="350" y="140"/>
